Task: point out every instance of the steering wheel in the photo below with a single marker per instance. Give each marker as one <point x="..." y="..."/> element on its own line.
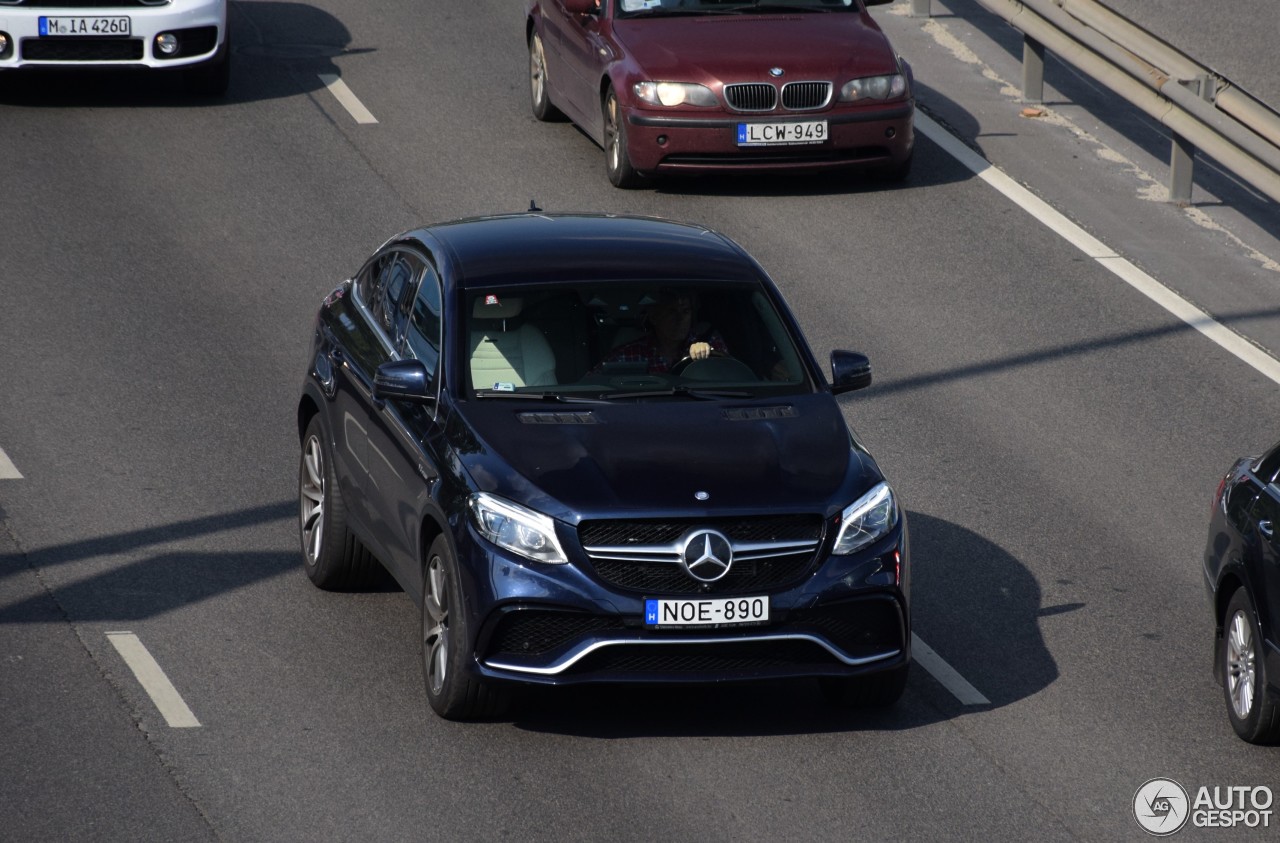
<point x="683" y="363"/>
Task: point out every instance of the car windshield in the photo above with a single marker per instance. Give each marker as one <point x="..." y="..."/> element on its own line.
<point x="629" y="342"/>
<point x="656" y="8"/>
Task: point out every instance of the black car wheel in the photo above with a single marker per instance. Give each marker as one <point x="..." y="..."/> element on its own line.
<point x="539" y="96"/>
<point x="617" y="162"/>
<point x="879" y="690"/>
<point x="1254" y="714"/>
<point x="451" y="692"/>
<point x="334" y="558"/>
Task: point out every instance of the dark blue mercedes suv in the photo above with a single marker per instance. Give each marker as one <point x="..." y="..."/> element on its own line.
<point x="598" y="449"/>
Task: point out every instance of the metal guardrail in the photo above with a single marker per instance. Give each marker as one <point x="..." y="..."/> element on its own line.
<point x="1201" y="108"/>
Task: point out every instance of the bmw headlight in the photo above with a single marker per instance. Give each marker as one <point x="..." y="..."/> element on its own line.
<point x="874" y="88"/>
<point x="867" y="519"/>
<point x="675" y="93"/>
<point x="519" y="530"/>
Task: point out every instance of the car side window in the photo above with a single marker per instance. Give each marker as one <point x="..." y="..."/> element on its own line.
<point x="423" y="333"/>
<point x="1268" y="467"/>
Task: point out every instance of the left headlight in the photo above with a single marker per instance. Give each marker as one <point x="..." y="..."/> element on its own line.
<point x="867" y="519"/>
<point x="874" y="88"/>
<point x="519" y="530"/>
<point x="675" y="93"/>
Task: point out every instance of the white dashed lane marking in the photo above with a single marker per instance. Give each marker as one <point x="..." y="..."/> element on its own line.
<point x="924" y="655"/>
<point x="8" y="471"/>
<point x="153" y="680"/>
<point x="348" y="100"/>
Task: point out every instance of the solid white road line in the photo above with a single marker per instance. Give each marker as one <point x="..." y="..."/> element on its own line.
<point x="153" y="680"/>
<point x="924" y="655"/>
<point x="349" y="100"/>
<point x="1100" y="252"/>
<point x="8" y="471"/>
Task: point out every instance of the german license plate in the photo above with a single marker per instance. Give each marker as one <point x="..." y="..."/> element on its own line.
<point x="782" y="134"/>
<point x="706" y="613"/>
<point x="85" y="26"/>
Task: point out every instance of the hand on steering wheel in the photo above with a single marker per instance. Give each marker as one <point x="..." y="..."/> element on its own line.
<point x="700" y="350"/>
<point x="683" y="363"/>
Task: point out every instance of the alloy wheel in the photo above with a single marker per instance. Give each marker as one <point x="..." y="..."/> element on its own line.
<point x="537" y="70"/>
<point x="435" y="625"/>
<point x="613" y="137"/>
<point x="311" y="498"/>
<point x="1241" y="655"/>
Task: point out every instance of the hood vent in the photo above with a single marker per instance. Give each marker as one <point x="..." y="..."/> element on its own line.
<point x="783" y="411"/>
<point x="556" y="418"/>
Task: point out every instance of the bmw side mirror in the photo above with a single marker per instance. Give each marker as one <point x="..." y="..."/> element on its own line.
<point x="406" y="380"/>
<point x="849" y="371"/>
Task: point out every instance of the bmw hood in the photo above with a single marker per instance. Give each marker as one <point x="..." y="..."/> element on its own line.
<point x="743" y="48"/>
<point x="573" y="461"/>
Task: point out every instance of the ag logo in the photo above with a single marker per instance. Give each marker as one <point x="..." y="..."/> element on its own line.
<point x="1161" y="807"/>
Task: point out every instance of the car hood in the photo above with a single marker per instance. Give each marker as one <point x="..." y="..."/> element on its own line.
<point x="738" y="48"/>
<point x="577" y="461"/>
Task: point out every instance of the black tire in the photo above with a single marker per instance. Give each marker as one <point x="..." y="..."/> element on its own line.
<point x="452" y="692"/>
<point x="213" y="77"/>
<point x="1250" y="707"/>
<point x="878" y="690"/>
<point x="617" y="162"/>
<point x="539" y="95"/>
<point x="334" y="559"/>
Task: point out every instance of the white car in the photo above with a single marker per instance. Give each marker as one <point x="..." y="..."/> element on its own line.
<point x="189" y="36"/>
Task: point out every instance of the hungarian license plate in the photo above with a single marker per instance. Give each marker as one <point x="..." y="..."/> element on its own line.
<point x="707" y="613"/>
<point x="782" y="134"/>
<point x="85" y="26"/>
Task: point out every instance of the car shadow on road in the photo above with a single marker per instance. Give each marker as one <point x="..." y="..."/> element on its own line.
<point x="279" y="50"/>
<point x="973" y="603"/>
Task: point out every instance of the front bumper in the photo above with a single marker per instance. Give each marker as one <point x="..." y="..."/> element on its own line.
<point x="560" y="624"/>
<point x="662" y="142"/>
<point x="200" y="25"/>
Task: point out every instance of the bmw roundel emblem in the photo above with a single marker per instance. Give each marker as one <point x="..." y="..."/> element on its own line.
<point x="777" y="72"/>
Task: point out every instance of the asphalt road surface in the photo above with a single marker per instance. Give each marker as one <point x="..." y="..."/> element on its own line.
<point x="1054" y="431"/>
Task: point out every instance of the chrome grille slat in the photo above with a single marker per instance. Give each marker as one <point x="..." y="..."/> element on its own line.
<point x="806" y="96"/>
<point x="751" y="96"/>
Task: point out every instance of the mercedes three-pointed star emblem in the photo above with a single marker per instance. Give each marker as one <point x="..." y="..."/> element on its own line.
<point x="707" y="555"/>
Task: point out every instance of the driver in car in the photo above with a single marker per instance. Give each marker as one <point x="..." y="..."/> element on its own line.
<point x="670" y="335"/>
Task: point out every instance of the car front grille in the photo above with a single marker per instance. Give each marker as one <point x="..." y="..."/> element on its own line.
<point x="763" y="96"/>
<point x="751" y="96"/>
<point x="701" y="658"/>
<point x="539" y="638"/>
<point x="82" y="49"/>
<point x="805" y="96"/>
<point x="643" y="557"/>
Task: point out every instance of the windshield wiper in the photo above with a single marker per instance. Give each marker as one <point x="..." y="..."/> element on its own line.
<point x="540" y="396"/>
<point x="783" y="7"/>
<point x="684" y="392"/>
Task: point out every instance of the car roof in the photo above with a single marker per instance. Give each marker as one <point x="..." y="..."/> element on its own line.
<point x="533" y="247"/>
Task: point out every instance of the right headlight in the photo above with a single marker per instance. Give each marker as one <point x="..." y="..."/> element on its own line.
<point x="675" y="93"/>
<point x="874" y="88"/>
<point x="868" y="518"/>
<point x="520" y="530"/>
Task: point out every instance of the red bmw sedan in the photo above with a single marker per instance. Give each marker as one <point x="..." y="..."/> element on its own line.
<point x="698" y="86"/>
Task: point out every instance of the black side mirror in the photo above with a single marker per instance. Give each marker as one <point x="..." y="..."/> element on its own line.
<point x="403" y="379"/>
<point x="849" y="371"/>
